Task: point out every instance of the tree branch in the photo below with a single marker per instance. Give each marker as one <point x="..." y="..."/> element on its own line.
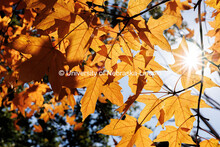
<point x="202" y="74"/>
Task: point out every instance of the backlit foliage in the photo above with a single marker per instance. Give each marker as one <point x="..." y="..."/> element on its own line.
<point x="67" y="42"/>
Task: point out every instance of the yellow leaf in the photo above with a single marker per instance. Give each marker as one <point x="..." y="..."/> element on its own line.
<point x="153" y="107"/>
<point x="156" y="27"/>
<point x="79" y="41"/>
<point x="32" y="45"/>
<point x="61" y="10"/>
<point x="179" y="106"/>
<point x="210" y="143"/>
<point x="130" y="131"/>
<point x="194" y="78"/>
<point x="175" y="137"/>
<point x="91" y="95"/>
<point x="154" y="83"/>
<point x="136" y="6"/>
<point x="112" y="92"/>
<point x="45" y="60"/>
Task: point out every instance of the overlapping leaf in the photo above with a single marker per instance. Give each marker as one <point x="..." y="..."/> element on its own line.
<point x="130" y="131"/>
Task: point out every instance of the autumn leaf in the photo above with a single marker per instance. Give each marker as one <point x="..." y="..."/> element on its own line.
<point x="157" y="27"/>
<point x="140" y="63"/>
<point x="37" y="66"/>
<point x="175" y="137"/>
<point x="112" y="92"/>
<point x="154" y="82"/>
<point x="38" y="128"/>
<point x="136" y="6"/>
<point x="210" y="143"/>
<point x="180" y="106"/>
<point x="79" y="37"/>
<point x="50" y="11"/>
<point x="153" y="107"/>
<point x="152" y="32"/>
<point x="129" y="40"/>
<point x="195" y="78"/>
<point x="174" y="8"/>
<point x="131" y="99"/>
<point x="71" y="119"/>
<point x="130" y="131"/>
<point x="33" y="94"/>
<point x="183" y="65"/>
<point x="95" y="86"/>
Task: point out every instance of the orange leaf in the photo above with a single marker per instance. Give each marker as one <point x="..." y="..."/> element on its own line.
<point x="38" y="128"/>
<point x="153" y="107"/>
<point x="130" y="131"/>
<point x="94" y="87"/>
<point x="180" y="106"/>
<point x="175" y="136"/>
<point x="210" y="143"/>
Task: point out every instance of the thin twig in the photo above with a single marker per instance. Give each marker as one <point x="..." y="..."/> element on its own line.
<point x="202" y="74"/>
<point x="188" y="87"/>
<point x="151" y="8"/>
<point x="68" y="34"/>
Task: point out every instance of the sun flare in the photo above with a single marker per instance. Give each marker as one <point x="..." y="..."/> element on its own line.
<point x="191" y="60"/>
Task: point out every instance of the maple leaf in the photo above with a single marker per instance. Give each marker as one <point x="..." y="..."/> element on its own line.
<point x="131" y="132"/>
<point x="194" y="78"/>
<point x="210" y="143"/>
<point x="45" y="60"/>
<point x="136" y="6"/>
<point x="129" y="40"/>
<point x="34" y="94"/>
<point x="51" y="10"/>
<point x="71" y="119"/>
<point x="174" y="8"/>
<point x="187" y="69"/>
<point x="95" y="86"/>
<point x="79" y="37"/>
<point x="112" y="92"/>
<point x="179" y="106"/>
<point x="134" y="69"/>
<point x="152" y="32"/>
<point x="124" y="108"/>
<point x="153" y="107"/>
<point x="154" y="82"/>
<point x="175" y="137"/>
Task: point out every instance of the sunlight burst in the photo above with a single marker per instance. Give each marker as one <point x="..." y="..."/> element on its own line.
<point x="191" y="60"/>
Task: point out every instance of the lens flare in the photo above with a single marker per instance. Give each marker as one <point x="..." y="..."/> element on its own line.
<point x="191" y="60"/>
